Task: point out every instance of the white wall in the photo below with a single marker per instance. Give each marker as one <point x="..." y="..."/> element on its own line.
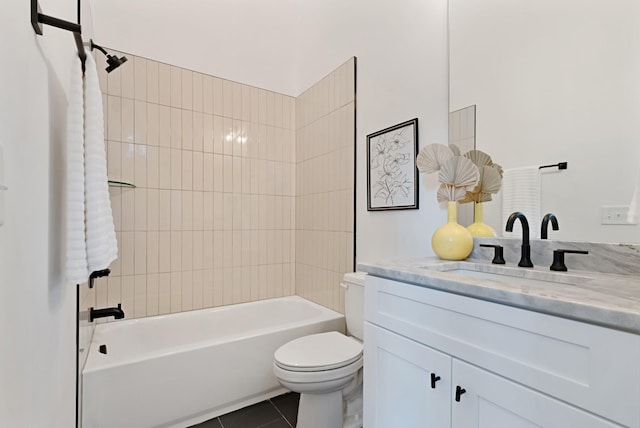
<point x="248" y="41"/>
<point x="401" y="48"/>
<point x="555" y="81"/>
<point x="37" y="321"/>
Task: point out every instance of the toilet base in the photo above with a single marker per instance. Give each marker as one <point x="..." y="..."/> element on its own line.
<point x="320" y="410"/>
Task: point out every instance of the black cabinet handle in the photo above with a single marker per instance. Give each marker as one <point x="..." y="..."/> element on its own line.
<point x="459" y="391"/>
<point x="434" y="379"/>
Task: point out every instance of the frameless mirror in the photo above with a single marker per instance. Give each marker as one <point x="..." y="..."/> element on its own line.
<point x="554" y="81"/>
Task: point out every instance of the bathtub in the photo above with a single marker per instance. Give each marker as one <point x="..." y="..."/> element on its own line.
<point x="181" y="369"/>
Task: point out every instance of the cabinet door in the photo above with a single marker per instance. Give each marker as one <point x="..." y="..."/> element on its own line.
<point x="490" y="401"/>
<point x="398" y="388"/>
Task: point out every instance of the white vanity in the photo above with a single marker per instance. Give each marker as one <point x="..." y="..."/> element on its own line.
<point x="448" y="349"/>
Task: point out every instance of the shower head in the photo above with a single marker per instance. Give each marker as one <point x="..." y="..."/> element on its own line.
<point x="112" y="60"/>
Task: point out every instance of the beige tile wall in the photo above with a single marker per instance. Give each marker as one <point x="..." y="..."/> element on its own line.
<point x="212" y="220"/>
<point x="325" y="144"/>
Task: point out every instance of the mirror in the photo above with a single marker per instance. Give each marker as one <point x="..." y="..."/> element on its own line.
<point x="554" y="81"/>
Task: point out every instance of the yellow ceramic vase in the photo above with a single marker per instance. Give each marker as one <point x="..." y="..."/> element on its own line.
<point x="478" y="228"/>
<point x="452" y="241"/>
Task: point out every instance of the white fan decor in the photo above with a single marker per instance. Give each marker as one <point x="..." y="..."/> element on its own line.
<point x="457" y="174"/>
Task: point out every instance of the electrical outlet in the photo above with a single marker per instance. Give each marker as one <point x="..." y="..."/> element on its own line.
<point x="614" y="215"/>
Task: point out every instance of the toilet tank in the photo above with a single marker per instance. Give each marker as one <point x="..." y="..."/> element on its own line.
<point x="354" y="303"/>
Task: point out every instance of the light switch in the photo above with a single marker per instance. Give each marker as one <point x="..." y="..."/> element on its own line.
<point x="3" y="187"/>
<point x="614" y="215"/>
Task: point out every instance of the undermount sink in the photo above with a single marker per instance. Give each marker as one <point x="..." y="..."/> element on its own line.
<point x="508" y="275"/>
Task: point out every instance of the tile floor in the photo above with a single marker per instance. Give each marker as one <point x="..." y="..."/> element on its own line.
<point x="278" y="412"/>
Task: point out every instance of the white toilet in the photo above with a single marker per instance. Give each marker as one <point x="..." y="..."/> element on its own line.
<point x="326" y="368"/>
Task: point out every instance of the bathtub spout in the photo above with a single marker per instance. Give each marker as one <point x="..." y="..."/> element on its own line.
<point x="117" y="313"/>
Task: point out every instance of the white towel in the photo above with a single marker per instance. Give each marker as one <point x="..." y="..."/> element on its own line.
<point x="76" y="252"/>
<point x="91" y="238"/>
<point x="521" y="192"/>
<point x="102" y="247"/>
<point x="633" y="215"/>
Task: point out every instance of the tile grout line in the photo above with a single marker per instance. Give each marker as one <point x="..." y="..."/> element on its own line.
<point x="280" y="413"/>
<point x="220" y="421"/>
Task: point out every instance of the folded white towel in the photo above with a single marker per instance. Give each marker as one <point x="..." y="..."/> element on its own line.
<point x="90" y="233"/>
<point x="633" y="215"/>
<point x="102" y="248"/>
<point x="521" y="192"/>
<point x="76" y="254"/>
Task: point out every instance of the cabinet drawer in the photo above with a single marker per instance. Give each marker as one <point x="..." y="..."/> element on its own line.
<point x="592" y="367"/>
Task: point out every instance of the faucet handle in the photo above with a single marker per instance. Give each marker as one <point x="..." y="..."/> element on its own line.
<point x="558" y="259"/>
<point x="498" y="256"/>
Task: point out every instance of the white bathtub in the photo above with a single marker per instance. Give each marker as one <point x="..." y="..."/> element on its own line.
<point x="181" y="369"/>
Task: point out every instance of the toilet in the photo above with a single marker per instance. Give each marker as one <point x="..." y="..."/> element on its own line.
<point x="326" y="368"/>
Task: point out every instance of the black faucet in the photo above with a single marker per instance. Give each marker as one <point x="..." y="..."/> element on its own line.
<point x="545" y="224"/>
<point x="525" y="258"/>
<point x="117" y="313"/>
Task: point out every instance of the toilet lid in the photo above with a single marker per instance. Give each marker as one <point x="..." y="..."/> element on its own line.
<point x="318" y="352"/>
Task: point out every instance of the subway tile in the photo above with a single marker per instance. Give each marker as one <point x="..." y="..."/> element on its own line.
<point x="127" y="252"/>
<point x="127" y="120"/>
<point x="114" y="82"/>
<point x="187" y="170"/>
<point x="187" y="89"/>
<point x="114" y="112"/>
<point x="237" y="101"/>
<point x="218" y="211"/>
<point x="152" y="124"/>
<point x="176" y="251"/>
<point x="187" y="251"/>
<point x="207" y="249"/>
<point x="140" y="253"/>
<point x="207" y="172"/>
<point x="207" y="210"/>
<point x="198" y="296"/>
<point x="207" y="94"/>
<point x="227" y="286"/>
<point x="207" y="133"/>
<point x="140" y="165"/>
<point x="127" y="219"/>
<point x="127" y="295"/>
<point x="218" y="134"/>
<point x="127" y="80"/>
<point x="187" y="130"/>
<point x="164" y="293"/>
<point x="187" y="210"/>
<point x="152" y="167"/>
<point x="176" y="87"/>
<point x="176" y="169"/>
<point x="227" y="98"/>
<point x="153" y="295"/>
<point x="153" y="255"/>
<point x="140" y="209"/>
<point x="164" y="168"/>
<point x="246" y="103"/>
<point x="198" y="132"/>
<point x="197" y="171"/>
<point x="164" y="126"/>
<point x="217" y="287"/>
<point x="218" y="97"/>
<point x="140" y="78"/>
<point x="176" y="210"/>
<point x="153" y="83"/>
<point x="164" y="251"/>
<point x="197" y="250"/>
<point x="140" y="122"/>
<point x="176" y="292"/>
<point x="140" y="296"/>
<point x="207" y="288"/>
<point x="176" y="128"/>
<point x="198" y="211"/>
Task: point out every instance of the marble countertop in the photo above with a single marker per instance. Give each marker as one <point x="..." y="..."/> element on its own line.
<point x="609" y="300"/>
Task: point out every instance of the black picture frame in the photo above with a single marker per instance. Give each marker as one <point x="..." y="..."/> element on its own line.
<point x="392" y="175"/>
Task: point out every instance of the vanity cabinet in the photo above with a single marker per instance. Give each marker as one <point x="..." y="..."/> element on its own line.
<point x="512" y="367"/>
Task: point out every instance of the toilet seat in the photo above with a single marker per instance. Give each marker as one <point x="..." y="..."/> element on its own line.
<point x="318" y="353"/>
